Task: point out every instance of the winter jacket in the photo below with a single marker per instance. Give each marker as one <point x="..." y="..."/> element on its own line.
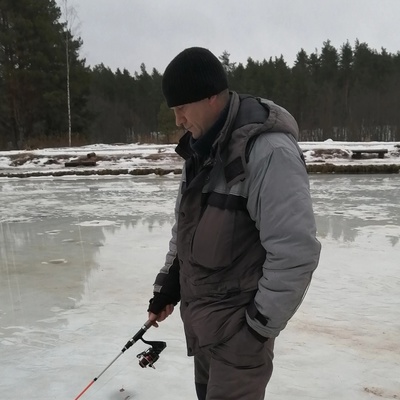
<point x="244" y="247"/>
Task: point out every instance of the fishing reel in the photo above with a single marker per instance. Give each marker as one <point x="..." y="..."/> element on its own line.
<point x="148" y="357"/>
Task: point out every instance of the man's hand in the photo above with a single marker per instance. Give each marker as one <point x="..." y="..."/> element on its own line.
<point x="168" y="310"/>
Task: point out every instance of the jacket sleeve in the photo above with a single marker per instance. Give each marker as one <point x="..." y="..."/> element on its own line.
<point x="279" y="202"/>
<point x="166" y="285"/>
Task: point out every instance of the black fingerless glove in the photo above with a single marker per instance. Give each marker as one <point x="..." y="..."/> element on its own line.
<point x="159" y="302"/>
<point x="254" y="314"/>
<point x="259" y="337"/>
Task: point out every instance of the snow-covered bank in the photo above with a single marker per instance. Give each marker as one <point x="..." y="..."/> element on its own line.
<point x="141" y="159"/>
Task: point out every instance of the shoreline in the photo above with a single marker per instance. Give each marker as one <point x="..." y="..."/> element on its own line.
<point x="365" y="169"/>
<point x="325" y="168"/>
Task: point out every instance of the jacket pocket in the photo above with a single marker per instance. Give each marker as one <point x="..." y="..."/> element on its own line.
<point x="212" y="245"/>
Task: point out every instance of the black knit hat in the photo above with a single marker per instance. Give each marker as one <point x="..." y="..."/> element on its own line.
<point x="193" y="75"/>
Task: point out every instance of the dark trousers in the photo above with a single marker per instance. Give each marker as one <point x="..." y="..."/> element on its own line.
<point x="238" y="369"/>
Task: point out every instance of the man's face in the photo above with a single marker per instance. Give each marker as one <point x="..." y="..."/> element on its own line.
<point x="196" y="117"/>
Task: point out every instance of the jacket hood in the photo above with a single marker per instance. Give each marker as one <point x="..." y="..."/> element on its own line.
<point x="280" y="120"/>
<point x="249" y="117"/>
<point x="273" y="118"/>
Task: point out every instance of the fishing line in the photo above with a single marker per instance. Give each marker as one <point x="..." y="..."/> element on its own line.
<point x="146" y="358"/>
<point x="104" y="383"/>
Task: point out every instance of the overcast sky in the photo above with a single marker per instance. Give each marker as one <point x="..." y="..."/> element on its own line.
<point x="126" y="33"/>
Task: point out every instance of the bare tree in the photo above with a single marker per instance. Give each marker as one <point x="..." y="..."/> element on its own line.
<point x="70" y="16"/>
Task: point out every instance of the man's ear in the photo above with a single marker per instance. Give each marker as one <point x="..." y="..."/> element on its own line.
<point x="212" y="99"/>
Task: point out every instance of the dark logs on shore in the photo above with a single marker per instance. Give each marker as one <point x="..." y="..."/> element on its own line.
<point x="312" y="169"/>
<point x="353" y="169"/>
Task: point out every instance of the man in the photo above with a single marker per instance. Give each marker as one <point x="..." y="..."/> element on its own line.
<point x="243" y="248"/>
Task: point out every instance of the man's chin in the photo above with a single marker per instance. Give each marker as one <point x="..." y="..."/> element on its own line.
<point x="195" y="135"/>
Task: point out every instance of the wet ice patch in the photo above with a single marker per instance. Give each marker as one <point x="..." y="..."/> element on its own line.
<point x="56" y="261"/>
<point x="383" y="230"/>
<point x="360" y="211"/>
<point x="103" y="222"/>
<point x="388" y="232"/>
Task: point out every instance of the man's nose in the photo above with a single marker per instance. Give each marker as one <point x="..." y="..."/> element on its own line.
<point x="179" y="118"/>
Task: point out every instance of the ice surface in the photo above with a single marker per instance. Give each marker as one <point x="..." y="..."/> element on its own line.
<point x="78" y="258"/>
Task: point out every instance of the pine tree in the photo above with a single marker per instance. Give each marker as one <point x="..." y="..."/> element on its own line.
<point x="345" y="85"/>
<point x="300" y="91"/>
<point x="32" y="72"/>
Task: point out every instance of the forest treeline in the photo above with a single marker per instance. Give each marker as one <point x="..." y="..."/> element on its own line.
<point x="351" y="93"/>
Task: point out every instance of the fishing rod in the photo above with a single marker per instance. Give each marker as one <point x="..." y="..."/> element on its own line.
<point x="146" y="359"/>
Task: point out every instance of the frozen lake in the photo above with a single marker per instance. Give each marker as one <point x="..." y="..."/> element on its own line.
<point x="78" y="258"/>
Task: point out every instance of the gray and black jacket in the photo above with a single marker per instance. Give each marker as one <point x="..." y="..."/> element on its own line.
<point x="244" y="247"/>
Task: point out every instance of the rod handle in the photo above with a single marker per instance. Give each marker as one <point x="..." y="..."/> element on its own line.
<point x="138" y="335"/>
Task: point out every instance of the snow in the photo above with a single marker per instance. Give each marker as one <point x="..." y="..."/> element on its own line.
<point x="78" y="257"/>
<point x="145" y="156"/>
<point x="118" y="156"/>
